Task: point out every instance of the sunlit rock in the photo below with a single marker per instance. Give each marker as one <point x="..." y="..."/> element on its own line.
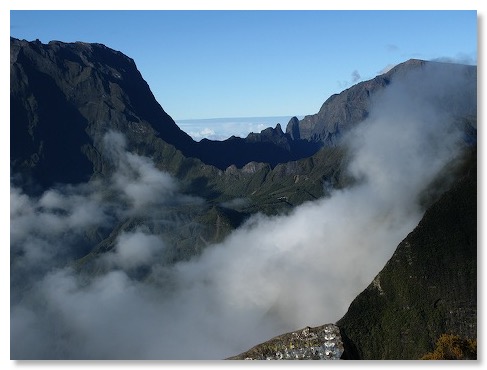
<point x="319" y="343"/>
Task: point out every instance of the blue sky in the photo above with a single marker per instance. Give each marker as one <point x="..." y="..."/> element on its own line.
<point x="206" y="64"/>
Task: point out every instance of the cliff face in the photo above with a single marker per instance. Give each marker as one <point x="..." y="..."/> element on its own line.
<point x="66" y="96"/>
<point x="428" y="287"/>
<point x="341" y="112"/>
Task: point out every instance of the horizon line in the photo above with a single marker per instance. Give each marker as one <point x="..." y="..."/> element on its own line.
<point x="238" y="117"/>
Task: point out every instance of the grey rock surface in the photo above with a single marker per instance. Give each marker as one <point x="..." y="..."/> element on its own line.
<point x="318" y="343"/>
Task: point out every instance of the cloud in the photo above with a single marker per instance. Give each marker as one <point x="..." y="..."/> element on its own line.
<point x="67" y="222"/>
<point x="272" y="275"/>
<point x="136" y="177"/>
<point x="355" y="76"/>
<point x="386" y="69"/>
<point x="206" y="132"/>
<point x="236" y="203"/>
<point x="50" y="231"/>
<point x="223" y="128"/>
<point x="392" y="48"/>
<point x="56" y="212"/>
<point x="135" y="249"/>
<point x="460" y="58"/>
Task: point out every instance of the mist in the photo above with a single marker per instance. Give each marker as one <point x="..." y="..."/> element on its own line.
<point x="270" y="276"/>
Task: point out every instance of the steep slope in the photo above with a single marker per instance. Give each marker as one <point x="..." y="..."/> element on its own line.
<point x="428" y="287"/>
<point x="271" y="146"/>
<point x="65" y="96"/>
<point x="340" y="112"/>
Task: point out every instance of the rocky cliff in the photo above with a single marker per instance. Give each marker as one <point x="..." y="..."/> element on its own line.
<point x="428" y="287"/>
<point x="340" y="112"/>
<point x="66" y="96"/>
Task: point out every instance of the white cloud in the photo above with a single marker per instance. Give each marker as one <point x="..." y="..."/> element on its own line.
<point x="206" y="132"/>
<point x="386" y="69"/>
<point x="223" y="128"/>
<point x="136" y="249"/>
<point x="460" y="58"/>
<point x="355" y="76"/>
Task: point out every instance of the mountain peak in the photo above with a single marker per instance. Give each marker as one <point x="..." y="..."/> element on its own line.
<point x="342" y="111"/>
<point x="292" y="128"/>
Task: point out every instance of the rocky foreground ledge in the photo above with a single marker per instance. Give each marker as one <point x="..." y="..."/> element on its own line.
<point x="319" y="343"/>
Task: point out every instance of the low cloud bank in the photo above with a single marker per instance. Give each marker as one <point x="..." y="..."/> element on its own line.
<point x="223" y="128"/>
<point x="272" y="275"/>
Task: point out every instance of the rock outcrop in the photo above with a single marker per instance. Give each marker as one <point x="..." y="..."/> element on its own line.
<point x="319" y="343"/>
<point x="292" y="128"/>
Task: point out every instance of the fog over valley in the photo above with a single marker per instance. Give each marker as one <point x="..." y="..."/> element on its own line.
<point x="274" y="273"/>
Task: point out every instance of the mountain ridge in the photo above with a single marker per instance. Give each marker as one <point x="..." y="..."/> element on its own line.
<point x="114" y="104"/>
<point x="342" y="111"/>
<point x="105" y="87"/>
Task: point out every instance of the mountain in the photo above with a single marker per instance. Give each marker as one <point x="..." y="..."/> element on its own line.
<point x="427" y="288"/>
<point x="64" y="96"/>
<point x="270" y="146"/>
<point x="340" y="112"/>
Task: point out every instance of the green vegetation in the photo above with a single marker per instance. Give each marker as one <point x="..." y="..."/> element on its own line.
<point x="428" y="287"/>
